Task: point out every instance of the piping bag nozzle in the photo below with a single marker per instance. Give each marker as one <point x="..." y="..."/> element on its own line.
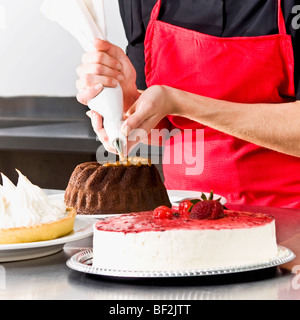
<point x="109" y="104"/>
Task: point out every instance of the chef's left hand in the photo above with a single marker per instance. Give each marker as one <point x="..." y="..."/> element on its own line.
<point x="147" y="112"/>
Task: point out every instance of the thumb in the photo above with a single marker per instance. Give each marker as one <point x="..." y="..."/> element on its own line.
<point x="109" y="48"/>
<point x="102" y="45"/>
<point x="135" y="118"/>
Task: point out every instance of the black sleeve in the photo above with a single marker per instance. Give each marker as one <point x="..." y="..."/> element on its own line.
<point x="135" y="15"/>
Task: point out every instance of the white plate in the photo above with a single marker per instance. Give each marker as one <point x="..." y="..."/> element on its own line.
<point x="83" y="228"/>
<point x="176" y="196"/>
<point x="83" y="262"/>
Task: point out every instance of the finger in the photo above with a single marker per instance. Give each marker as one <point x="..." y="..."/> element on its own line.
<point x="134" y="120"/>
<point x="101" y="58"/>
<point x="125" y="128"/>
<point x="83" y="84"/>
<point x="98" y="70"/>
<point x="104" y="140"/>
<point x="139" y="125"/>
<point x="80" y="85"/>
<point x="131" y="111"/>
<point x="105" y="46"/>
<point x="146" y="127"/>
<point x="102" y="45"/>
<point x="93" y="81"/>
<point x="97" y="124"/>
<point x="90" y="80"/>
<point x="97" y="121"/>
<point x="107" y="76"/>
<point x="88" y="94"/>
<point x="91" y="74"/>
<point x="112" y="50"/>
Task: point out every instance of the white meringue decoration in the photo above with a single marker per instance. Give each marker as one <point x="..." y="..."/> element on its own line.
<point x="5" y="219"/>
<point x="26" y="205"/>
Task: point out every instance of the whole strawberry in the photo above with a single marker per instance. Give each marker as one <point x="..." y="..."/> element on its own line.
<point x="163" y="212"/>
<point x="207" y="209"/>
<point x="185" y="207"/>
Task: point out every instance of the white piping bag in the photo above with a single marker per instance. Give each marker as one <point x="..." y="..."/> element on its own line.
<point x="85" y="20"/>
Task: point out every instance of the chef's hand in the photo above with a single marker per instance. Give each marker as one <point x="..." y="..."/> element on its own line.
<point x="97" y="123"/>
<point x="147" y="113"/>
<point x="107" y="66"/>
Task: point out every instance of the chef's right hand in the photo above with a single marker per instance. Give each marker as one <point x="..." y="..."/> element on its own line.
<point x="107" y="66"/>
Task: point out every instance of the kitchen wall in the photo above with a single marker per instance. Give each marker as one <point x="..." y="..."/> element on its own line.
<point x="38" y="57"/>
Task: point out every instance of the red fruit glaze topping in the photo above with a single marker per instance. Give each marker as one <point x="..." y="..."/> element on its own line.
<point x="146" y="222"/>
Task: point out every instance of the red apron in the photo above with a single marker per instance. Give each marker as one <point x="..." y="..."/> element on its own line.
<point x="240" y="69"/>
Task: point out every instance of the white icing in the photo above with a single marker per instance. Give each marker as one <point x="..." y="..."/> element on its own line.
<point x="184" y="249"/>
<point x="5" y="219"/>
<point x="27" y="205"/>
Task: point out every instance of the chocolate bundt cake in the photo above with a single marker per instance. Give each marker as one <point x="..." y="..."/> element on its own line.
<point x="116" y="188"/>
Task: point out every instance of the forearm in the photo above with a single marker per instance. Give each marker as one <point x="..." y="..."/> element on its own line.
<point x="274" y="126"/>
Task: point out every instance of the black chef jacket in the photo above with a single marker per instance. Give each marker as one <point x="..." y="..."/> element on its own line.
<point x="221" y="18"/>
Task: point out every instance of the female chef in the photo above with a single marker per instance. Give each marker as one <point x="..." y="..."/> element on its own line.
<point x="230" y="68"/>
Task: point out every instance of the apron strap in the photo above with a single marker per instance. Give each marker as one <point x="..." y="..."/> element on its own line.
<point x="156" y="10"/>
<point x="281" y="21"/>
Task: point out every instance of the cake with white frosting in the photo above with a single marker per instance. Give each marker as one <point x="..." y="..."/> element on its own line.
<point x="143" y="242"/>
<point x="27" y="214"/>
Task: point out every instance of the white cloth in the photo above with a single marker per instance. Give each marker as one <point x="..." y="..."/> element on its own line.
<point x="84" y="19"/>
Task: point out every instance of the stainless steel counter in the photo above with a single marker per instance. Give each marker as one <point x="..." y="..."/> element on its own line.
<point x="50" y="278"/>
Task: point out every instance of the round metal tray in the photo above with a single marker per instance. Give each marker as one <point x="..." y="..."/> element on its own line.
<point x="83" y="262"/>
